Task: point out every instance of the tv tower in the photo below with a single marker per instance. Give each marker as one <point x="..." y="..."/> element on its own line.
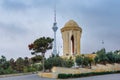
<point x="54" y="28"/>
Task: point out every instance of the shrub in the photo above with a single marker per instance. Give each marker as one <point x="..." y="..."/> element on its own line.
<point x="1" y="71"/>
<point x="67" y="63"/>
<point x="25" y="69"/>
<point x="64" y="76"/>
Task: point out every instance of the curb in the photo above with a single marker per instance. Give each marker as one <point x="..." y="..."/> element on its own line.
<point x="17" y="74"/>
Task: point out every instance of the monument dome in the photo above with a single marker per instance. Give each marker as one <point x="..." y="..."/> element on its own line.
<point x="71" y="25"/>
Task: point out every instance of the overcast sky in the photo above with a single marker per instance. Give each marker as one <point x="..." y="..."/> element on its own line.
<point x="23" y="21"/>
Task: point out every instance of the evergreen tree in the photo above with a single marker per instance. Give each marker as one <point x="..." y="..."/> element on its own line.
<point x="41" y="45"/>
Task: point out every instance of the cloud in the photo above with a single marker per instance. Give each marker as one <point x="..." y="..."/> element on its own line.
<point x="43" y="3"/>
<point x="99" y="20"/>
<point x="23" y="21"/>
<point x="14" y="5"/>
<point x="21" y="5"/>
<point x="12" y="29"/>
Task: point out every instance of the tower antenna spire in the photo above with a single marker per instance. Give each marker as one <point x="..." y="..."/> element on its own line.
<point x="55" y="12"/>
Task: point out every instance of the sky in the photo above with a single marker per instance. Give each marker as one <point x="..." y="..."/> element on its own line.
<point x="23" y="21"/>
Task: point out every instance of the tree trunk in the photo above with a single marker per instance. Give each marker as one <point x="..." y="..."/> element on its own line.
<point x="43" y="62"/>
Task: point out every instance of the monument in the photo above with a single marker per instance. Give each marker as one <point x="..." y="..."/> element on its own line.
<point x="71" y="35"/>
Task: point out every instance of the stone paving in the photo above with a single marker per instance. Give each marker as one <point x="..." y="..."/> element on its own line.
<point x="35" y="77"/>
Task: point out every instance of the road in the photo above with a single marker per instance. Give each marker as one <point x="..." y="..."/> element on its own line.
<point x="35" y="77"/>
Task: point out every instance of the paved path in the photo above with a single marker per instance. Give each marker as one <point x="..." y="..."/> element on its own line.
<point x="35" y="77"/>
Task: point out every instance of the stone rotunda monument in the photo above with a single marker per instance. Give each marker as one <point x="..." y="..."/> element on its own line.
<point x="71" y="35"/>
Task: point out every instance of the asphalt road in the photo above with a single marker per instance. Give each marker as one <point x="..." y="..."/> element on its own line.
<point x="35" y="77"/>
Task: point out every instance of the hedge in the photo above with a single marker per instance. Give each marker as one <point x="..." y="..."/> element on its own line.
<point x="65" y="76"/>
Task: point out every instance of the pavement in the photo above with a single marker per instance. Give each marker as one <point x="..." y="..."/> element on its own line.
<point x="17" y="74"/>
<point x="24" y="77"/>
<point x="36" y="77"/>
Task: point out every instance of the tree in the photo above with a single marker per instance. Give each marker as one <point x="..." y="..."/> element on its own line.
<point x="117" y="58"/>
<point x="84" y="61"/>
<point x="111" y="57"/>
<point x="68" y="63"/>
<point x="12" y="63"/>
<point x="3" y="59"/>
<point x="20" y="64"/>
<point x="96" y="60"/>
<point x="101" y="56"/>
<point x="41" y="45"/>
<point x="26" y="61"/>
<point x="116" y="51"/>
<point x="79" y="60"/>
<point x="4" y="63"/>
<point x="58" y="61"/>
<point x="87" y="62"/>
<point x="53" y="61"/>
<point x="36" y="58"/>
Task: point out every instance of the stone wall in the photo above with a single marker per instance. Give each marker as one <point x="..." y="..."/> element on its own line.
<point x="95" y="68"/>
<point x="65" y="70"/>
<point x="47" y="75"/>
<point x="107" y="67"/>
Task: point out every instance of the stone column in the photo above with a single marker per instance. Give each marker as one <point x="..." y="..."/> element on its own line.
<point x="78" y="42"/>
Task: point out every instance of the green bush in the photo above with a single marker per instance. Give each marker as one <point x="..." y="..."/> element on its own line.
<point x="32" y="69"/>
<point x="25" y="69"/>
<point x="9" y="70"/>
<point x="1" y="71"/>
<point x="64" y="76"/>
<point x="117" y="71"/>
<point x="40" y="67"/>
<point x="67" y="63"/>
<point x="69" y="75"/>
